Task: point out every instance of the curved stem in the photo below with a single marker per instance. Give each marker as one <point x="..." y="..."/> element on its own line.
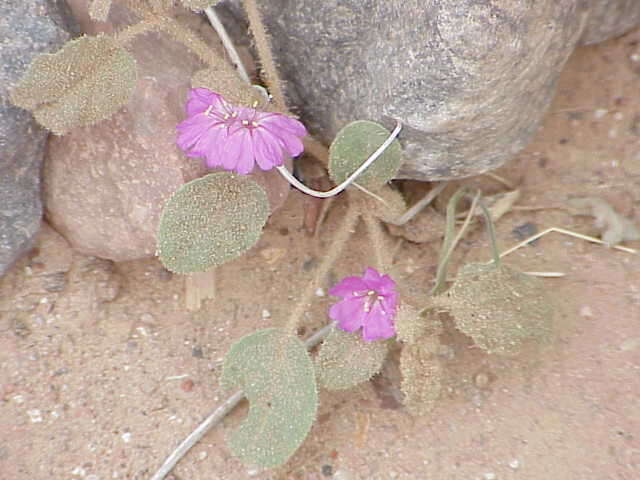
<point x="336" y="190"/>
<point x="338" y="242"/>
<point x="219" y="413"/>
<point x="450" y="242"/>
<point x="218" y="26"/>
<point x="491" y="231"/>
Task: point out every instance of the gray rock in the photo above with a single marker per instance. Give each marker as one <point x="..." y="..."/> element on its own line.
<point x="27" y="27"/>
<point x="609" y="19"/>
<point x="469" y="79"/>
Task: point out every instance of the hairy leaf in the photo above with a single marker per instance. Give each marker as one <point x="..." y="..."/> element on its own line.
<point x="276" y="373"/>
<point x="354" y="144"/>
<point x="88" y="80"/>
<point x="345" y="360"/>
<point x="421" y="375"/>
<point x="211" y="220"/>
<point x="499" y="307"/>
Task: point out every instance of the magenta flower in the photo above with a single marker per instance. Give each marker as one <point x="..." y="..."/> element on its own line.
<point x="236" y="138"/>
<point x="369" y="302"/>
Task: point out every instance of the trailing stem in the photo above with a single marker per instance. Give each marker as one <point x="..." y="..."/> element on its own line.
<point x="333" y="252"/>
<point x="263" y="45"/>
<point x="379" y="243"/>
<point x="449" y="243"/>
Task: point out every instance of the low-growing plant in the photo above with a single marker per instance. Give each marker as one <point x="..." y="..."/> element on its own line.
<point x="216" y="218"/>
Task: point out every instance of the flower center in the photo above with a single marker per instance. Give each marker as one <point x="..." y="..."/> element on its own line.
<point x="372" y="297"/>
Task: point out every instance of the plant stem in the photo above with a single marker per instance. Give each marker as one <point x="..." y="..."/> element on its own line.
<point x="218" y="26"/>
<point x="336" y="190"/>
<point x="379" y="243"/>
<point x="129" y="33"/>
<point x="337" y="244"/>
<point x="196" y="45"/>
<point x="219" y="413"/>
<point x="263" y="45"/>
<point x="449" y="243"/>
<point x="490" y="230"/>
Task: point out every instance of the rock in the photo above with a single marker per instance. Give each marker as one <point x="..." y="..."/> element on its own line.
<point x="105" y="185"/>
<point x="470" y="80"/>
<point x="27" y="27"/>
<point x="610" y="18"/>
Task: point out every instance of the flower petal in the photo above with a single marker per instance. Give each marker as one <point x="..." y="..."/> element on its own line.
<point x="246" y="158"/>
<point x="348" y="286"/>
<point x="378" y="325"/>
<point x="267" y="149"/>
<point x="200" y="99"/>
<point x="349" y="313"/>
<point x="278" y="121"/>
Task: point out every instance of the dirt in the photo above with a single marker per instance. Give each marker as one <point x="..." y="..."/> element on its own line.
<point x="103" y="370"/>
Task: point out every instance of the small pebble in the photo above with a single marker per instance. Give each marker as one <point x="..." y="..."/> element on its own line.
<point x="525" y="231"/>
<point x="320" y="292"/>
<point x="202" y="456"/>
<point x="515" y="463"/>
<point x="187" y="385"/>
<point x="327" y="470"/>
<point x="266" y="314"/>
<point x="600" y="113"/>
<point x="585" y="311"/>
<point x="126" y="437"/>
<point x="489" y="476"/>
<point x="630" y="344"/>
<point x="481" y="380"/>
<point x="197" y="352"/>
<point x="35" y="415"/>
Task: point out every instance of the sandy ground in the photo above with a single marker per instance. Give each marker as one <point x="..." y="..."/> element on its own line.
<point x="103" y="371"/>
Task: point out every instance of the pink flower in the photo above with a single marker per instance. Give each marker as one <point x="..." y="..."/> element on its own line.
<point x="236" y="138"/>
<point x="369" y="302"/>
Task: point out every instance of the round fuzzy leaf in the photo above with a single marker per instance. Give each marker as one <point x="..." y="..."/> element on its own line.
<point x="276" y="373"/>
<point x="88" y="80"/>
<point x="345" y="360"/>
<point x="211" y="220"/>
<point x="499" y="307"/>
<point x="421" y="375"/>
<point x="354" y="144"/>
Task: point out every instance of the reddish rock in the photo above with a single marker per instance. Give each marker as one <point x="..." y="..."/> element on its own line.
<point x="105" y="185"/>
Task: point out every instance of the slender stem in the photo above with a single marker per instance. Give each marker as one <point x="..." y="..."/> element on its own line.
<point x="449" y="242"/>
<point x="379" y="243"/>
<point x="263" y="45"/>
<point x="418" y="207"/>
<point x="219" y="413"/>
<point x="333" y="252"/>
<point x="128" y="34"/>
<point x="490" y="229"/>
<point x="336" y="190"/>
<point x="568" y="233"/>
<point x="227" y="43"/>
<point x="195" y="44"/>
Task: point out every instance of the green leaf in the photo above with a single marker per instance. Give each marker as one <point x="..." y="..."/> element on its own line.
<point x="345" y="360"/>
<point x="354" y="144"/>
<point x="276" y="373"/>
<point x="421" y="375"/>
<point x="499" y="307"/>
<point x="88" y="80"/>
<point x="211" y="220"/>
